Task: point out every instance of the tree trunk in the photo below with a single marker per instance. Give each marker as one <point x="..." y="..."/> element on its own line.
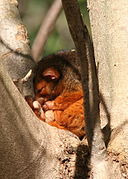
<point x="14" y="48"/>
<point x="29" y="148"/>
<point x="109" y="32"/>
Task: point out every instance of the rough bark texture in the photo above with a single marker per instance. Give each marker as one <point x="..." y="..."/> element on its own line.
<point x="99" y="159"/>
<point x="109" y="31"/>
<point x="30" y="148"/>
<point x="14" y="48"/>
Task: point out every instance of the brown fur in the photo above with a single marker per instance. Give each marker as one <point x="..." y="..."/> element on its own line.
<point x="58" y="82"/>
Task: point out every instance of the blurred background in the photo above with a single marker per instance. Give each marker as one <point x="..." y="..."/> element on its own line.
<point x="33" y="12"/>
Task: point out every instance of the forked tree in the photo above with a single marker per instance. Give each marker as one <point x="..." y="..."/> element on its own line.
<point x="30" y="148"/>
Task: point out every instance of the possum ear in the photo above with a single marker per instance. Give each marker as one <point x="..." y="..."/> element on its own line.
<point x="51" y="73"/>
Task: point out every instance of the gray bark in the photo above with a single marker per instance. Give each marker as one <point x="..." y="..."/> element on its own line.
<point x="29" y="148"/>
<point x="14" y="48"/>
<point x="109" y="31"/>
<point x="100" y="164"/>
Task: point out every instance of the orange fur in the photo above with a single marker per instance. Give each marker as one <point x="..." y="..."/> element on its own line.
<point x="68" y="113"/>
<point x="58" y="88"/>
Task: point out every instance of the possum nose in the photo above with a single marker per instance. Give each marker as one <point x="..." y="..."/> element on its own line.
<point x="40" y="85"/>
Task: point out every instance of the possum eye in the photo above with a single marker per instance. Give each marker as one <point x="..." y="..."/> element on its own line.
<point x="51" y="74"/>
<point x="50" y="78"/>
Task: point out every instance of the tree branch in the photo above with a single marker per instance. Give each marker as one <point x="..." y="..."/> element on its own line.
<point x="14" y="45"/>
<point x="90" y="86"/>
<point x="45" y="29"/>
<point x="28" y="146"/>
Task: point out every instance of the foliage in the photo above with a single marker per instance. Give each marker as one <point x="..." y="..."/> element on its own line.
<point x="34" y="14"/>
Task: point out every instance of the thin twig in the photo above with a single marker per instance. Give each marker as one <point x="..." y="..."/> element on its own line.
<point x="27" y="76"/>
<point x="45" y="29"/>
